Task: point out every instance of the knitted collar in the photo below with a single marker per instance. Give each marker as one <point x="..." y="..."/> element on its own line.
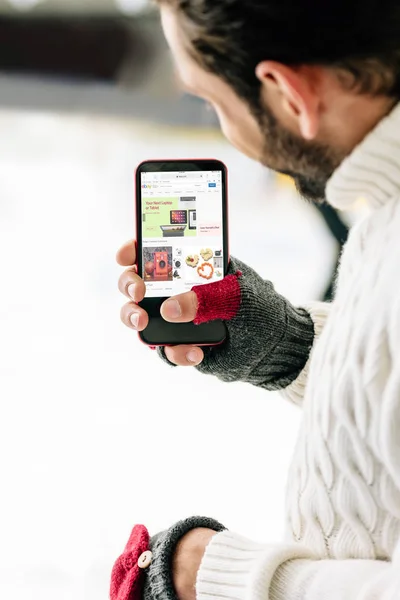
<point x="372" y="171"/>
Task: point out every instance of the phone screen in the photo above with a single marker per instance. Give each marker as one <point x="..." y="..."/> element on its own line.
<point x="181" y="212"/>
<point x="182" y="230"/>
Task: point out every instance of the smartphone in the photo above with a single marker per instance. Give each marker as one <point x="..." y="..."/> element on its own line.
<point x="182" y="241"/>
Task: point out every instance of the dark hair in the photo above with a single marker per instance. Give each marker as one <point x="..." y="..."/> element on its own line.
<point x="358" y="38"/>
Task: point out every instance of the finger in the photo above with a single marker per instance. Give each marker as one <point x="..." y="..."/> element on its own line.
<point x="131" y="285"/>
<point x="134" y="317"/>
<point x="126" y="256"/>
<point x="180" y="309"/>
<point x="184" y="356"/>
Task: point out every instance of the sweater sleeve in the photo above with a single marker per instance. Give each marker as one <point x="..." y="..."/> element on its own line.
<point x="319" y="312"/>
<point x="235" y="568"/>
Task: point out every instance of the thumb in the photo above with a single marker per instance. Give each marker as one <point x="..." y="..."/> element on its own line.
<point x="180" y="309"/>
<point x="205" y="303"/>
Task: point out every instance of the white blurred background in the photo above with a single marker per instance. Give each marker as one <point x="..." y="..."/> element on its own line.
<point x="96" y="434"/>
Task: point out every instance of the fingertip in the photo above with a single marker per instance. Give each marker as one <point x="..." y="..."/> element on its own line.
<point x="134" y="317"/>
<point x="120" y="258"/>
<point x="126" y="255"/>
<point x="135" y="289"/>
<point x="180" y="309"/>
<point x="171" y="310"/>
<point x="184" y="356"/>
<point x="195" y="356"/>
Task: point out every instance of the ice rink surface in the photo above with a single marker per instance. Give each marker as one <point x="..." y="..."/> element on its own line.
<point x="96" y="434"/>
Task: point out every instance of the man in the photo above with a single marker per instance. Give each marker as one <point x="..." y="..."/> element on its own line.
<point x="310" y="89"/>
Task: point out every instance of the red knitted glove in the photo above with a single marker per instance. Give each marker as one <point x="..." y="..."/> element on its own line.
<point x="219" y="300"/>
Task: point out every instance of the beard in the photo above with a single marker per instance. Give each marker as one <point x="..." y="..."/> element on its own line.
<point x="310" y="164"/>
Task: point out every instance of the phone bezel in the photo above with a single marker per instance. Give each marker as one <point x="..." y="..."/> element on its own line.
<point x="160" y="333"/>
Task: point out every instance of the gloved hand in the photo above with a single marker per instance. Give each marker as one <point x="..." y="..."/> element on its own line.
<point x="144" y="570"/>
<point x="268" y="341"/>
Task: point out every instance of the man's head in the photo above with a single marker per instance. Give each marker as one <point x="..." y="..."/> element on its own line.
<point x="296" y="84"/>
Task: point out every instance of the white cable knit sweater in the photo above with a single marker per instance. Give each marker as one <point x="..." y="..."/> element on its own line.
<point x="343" y="498"/>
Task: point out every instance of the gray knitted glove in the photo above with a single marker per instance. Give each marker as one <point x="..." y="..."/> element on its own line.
<point x="144" y="570"/>
<point x="268" y="341"/>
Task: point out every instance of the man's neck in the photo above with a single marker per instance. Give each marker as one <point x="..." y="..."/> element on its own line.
<point x="372" y="170"/>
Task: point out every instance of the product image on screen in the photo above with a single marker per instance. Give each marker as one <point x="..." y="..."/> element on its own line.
<point x="182" y="230"/>
<point x="178" y="217"/>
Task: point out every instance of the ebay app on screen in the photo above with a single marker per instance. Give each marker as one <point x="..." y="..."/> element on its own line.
<point x="182" y="230"/>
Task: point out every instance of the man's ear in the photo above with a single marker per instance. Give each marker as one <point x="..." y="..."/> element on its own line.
<point x="295" y="94"/>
